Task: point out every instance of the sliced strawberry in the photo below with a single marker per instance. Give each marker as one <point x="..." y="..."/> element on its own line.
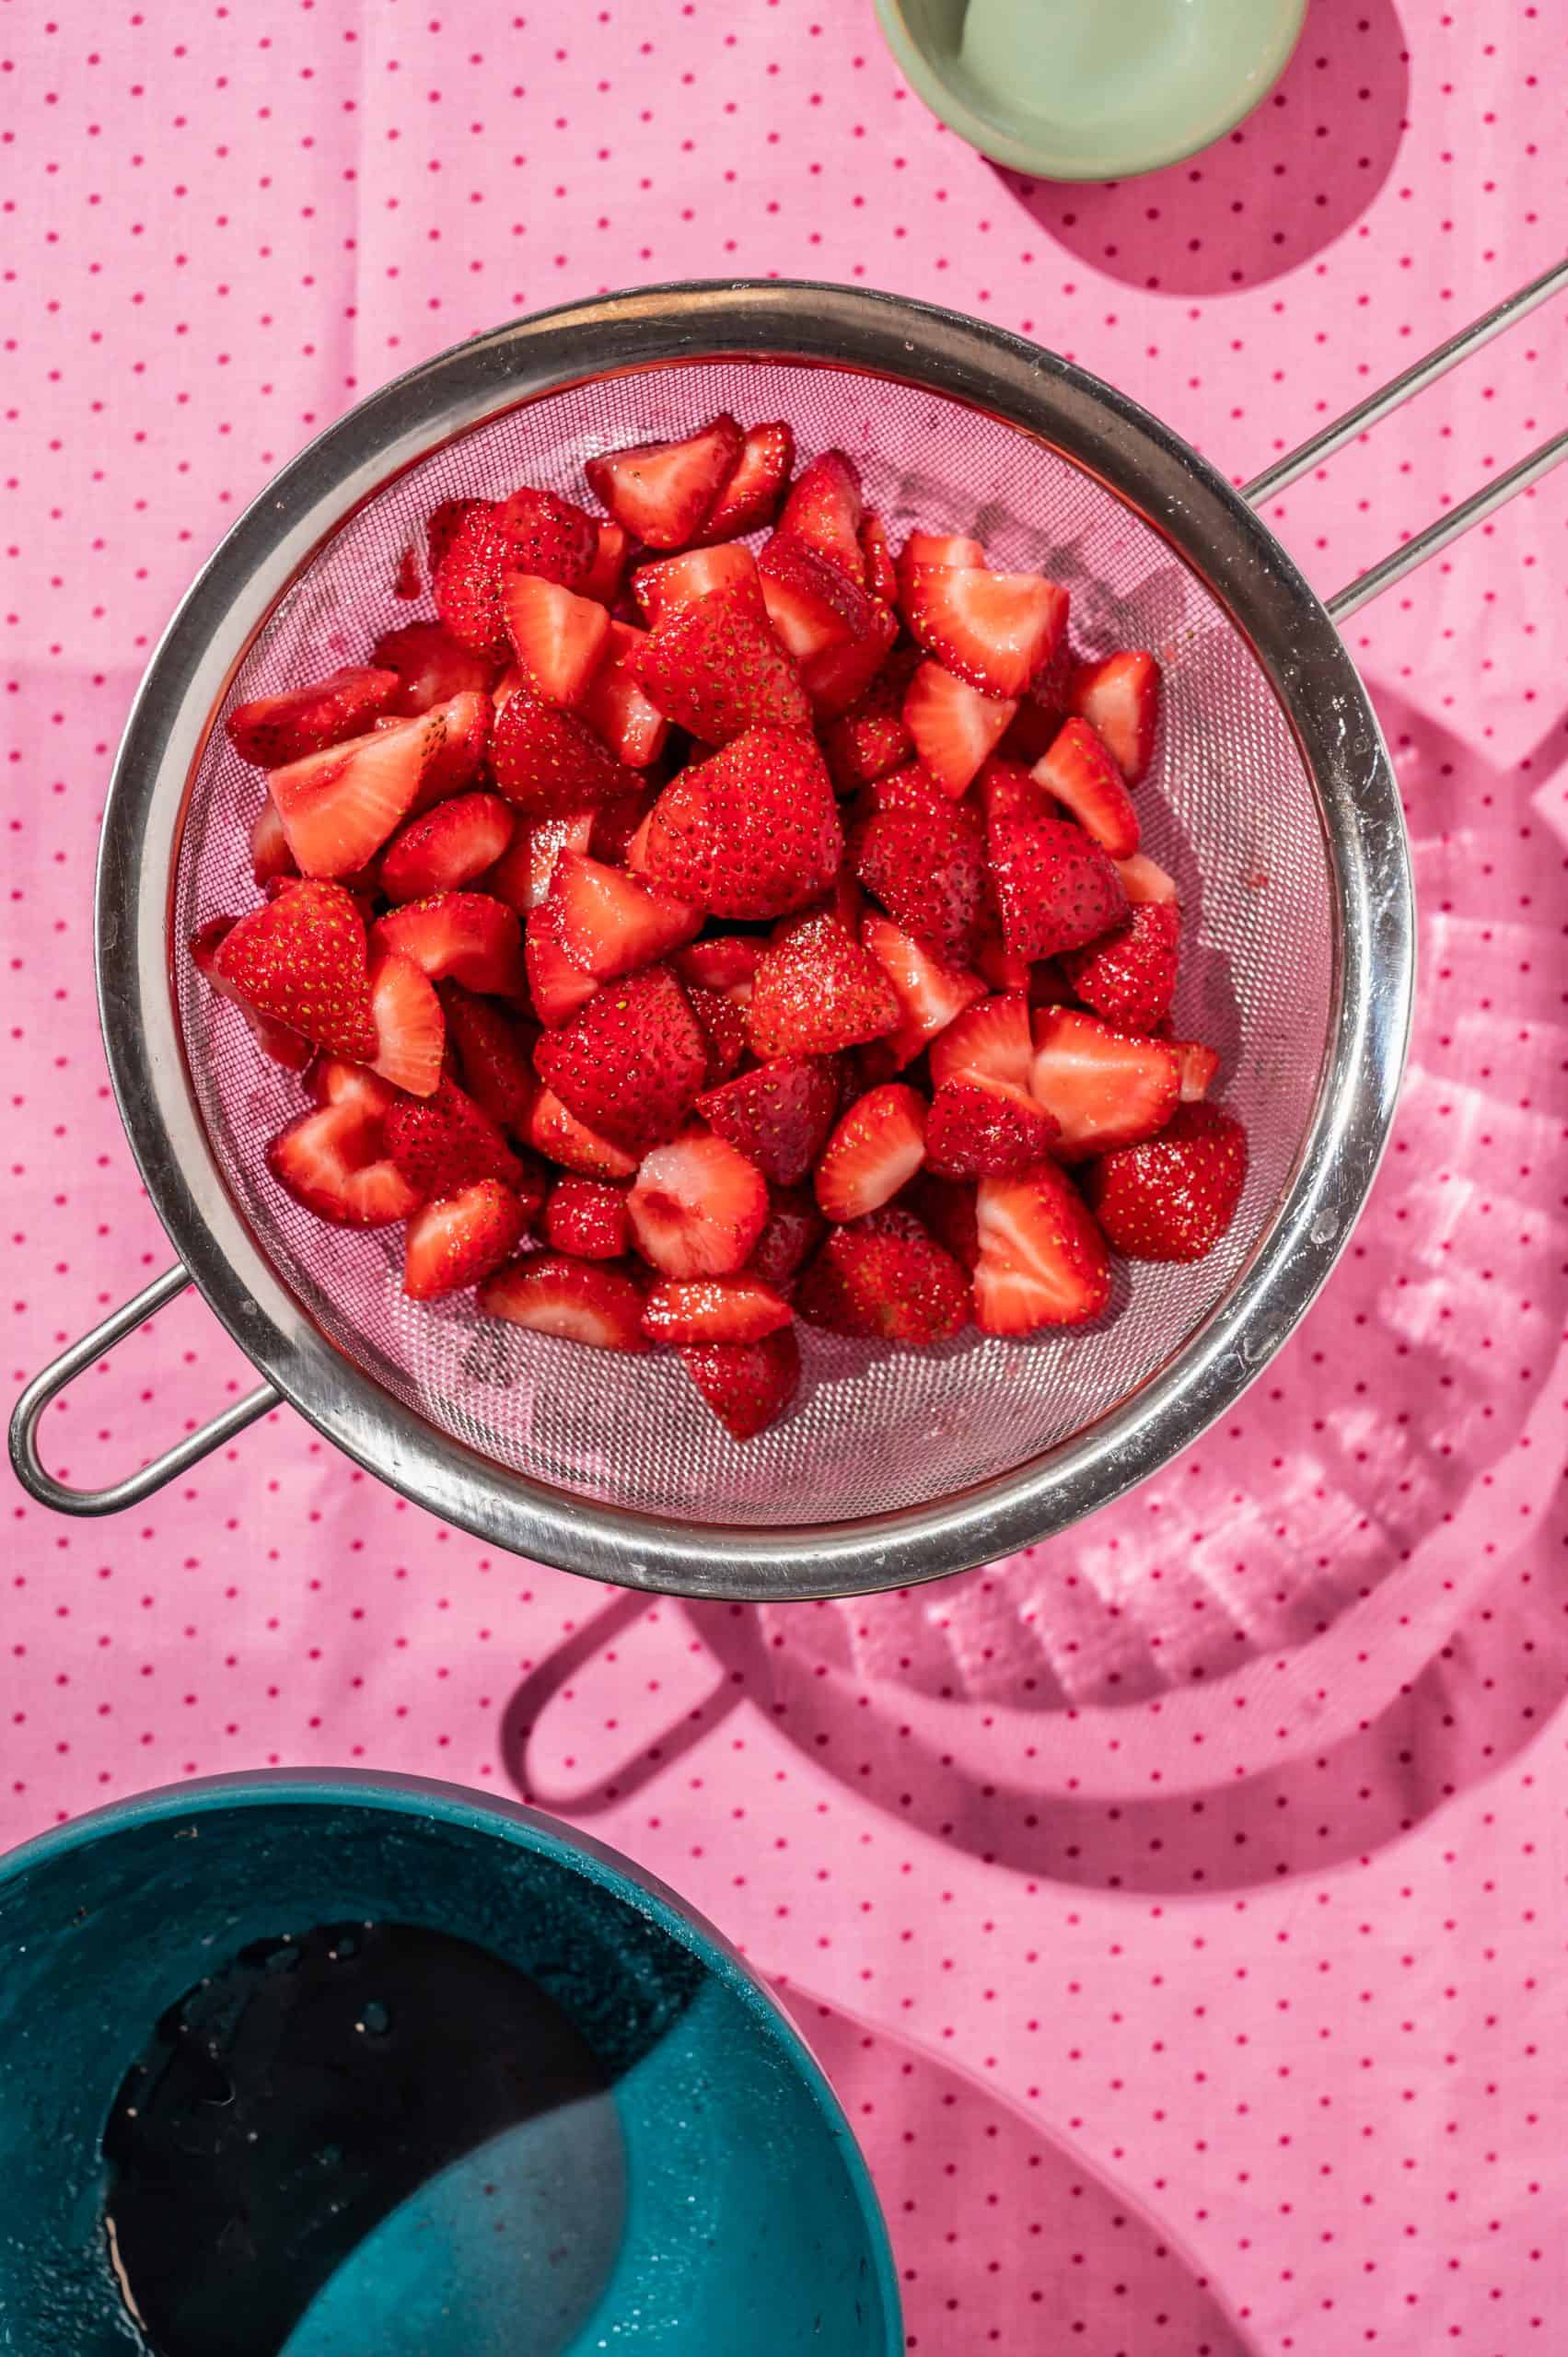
<point x="270" y="853"/>
<point x="816" y="990"/>
<point x="1130" y="977"/>
<point x="871" y="738"/>
<point x="714" y="1310"/>
<point x="549" y="762"/>
<point x="1037" y="723"/>
<point x="586" y="1217"/>
<point x="460" y="1239"/>
<point x="795" y="1229"/>
<point x="493" y="1056"/>
<point x="1080" y="773"/>
<point x="411" y="1030"/>
<point x="1002" y="967"/>
<point x="465" y="936"/>
<point x="521" y="876"/>
<point x="878" y="1144"/>
<point x="922" y="855"/>
<point x="723" y="1022"/>
<point x="879" y="573"/>
<point x="675" y="582"/>
<point x="812" y="604"/>
<point x="272" y="730"/>
<point x="755" y="488"/>
<point x="457" y="759"/>
<point x="824" y="511"/>
<point x="432" y="666"/>
<point x="557" y="984"/>
<point x="465" y="575"/>
<point x="448" y="847"/>
<point x="929" y="994"/>
<point x="995" y="630"/>
<point x="1055" y="889"/>
<point x="333" y="1080"/>
<point x="1042" y="1261"/>
<point x="779" y="1115"/>
<point x="954" y="550"/>
<point x="754" y="832"/>
<point x="615" y="824"/>
<point x="1141" y="880"/>
<point x="1122" y="696"/>
<point x="953" y="728"/>
<point x="724" y="962"/>
<point x="1198" y="1066"/>
<point x="558" y="637"/>
<point x="603" y="579"/>
<point x="609" y="924"/>
<point x="577" y="1300"/>
<point x="990" y="1040"/>
<point x="559" y="1135"/>
<point x="747" y="1384"/>
<point x="716" y="668"/>
<point x="446" y="1142"/>
<point x="837" y="678"/>
<point x="301" y="959"/>
<point x="332" y="1162"/>
<point x="981" y="1128"/>
<point x="662" y="491"/>
<point x="546" y="536"/>
<point x="615" y="706"/>
<point x="507" y="686"/>
<point x="632" y="1062"/>
<point x="885" y="1277"/>
<point x="289" y="1047"/>
<point x="1107" y="1088"/>
<point x="697" y="1207"/>
<point x="1173" y="1197"/>
<point x="338" y="807"/>
<point x="636" y="861"/>
<point x="947" y="1206"/>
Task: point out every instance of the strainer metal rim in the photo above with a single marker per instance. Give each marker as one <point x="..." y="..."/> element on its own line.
<point x="1208" y="524"/>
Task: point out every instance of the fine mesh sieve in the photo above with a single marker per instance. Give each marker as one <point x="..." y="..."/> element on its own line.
<point x="1272" y="803"/>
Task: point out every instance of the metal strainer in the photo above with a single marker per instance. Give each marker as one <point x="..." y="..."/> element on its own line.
<point x="1274" y="805"/>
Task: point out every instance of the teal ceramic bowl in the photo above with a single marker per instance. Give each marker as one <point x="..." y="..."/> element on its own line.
<point x="743" y="2224"/>
<point x="1091" y="90"/>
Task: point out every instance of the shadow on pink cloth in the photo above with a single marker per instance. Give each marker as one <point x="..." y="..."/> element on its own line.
<point x="1288" y="181"/>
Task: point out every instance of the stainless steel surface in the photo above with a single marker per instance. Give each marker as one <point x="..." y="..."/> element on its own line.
<point x="46" y="1386"/>
<point x="1445" y="529"/>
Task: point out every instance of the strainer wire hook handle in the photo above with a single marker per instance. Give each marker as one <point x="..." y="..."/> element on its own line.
<point x="51" y="1380"/>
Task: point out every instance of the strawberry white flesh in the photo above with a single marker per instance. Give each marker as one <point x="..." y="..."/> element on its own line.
<point x="698" y="1207"/>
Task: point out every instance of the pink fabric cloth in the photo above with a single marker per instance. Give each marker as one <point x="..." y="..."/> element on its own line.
<point x="1179" y="1906"/>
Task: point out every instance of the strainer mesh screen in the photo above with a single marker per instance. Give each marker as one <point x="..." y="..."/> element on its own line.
<point x="1229" y="811"/>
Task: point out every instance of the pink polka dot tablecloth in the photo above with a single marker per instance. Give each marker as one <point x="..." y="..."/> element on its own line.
<point x="1178" y="1907"/>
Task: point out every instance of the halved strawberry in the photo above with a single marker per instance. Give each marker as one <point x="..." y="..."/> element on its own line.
<point x="636" y="859"/>
<point x="824" y="511"/>
<point x="301" y="959"/>
<point x="753" y="491"/>
<point x="272" y="730"/>
<point x="603" y="579"/>
<point x="616" y="823"/>
<point x="447" y="847"/>
<point x="929" y="994"/>
<point x="577" y="1300"/>
<point x="1003" y="969"/>
<point x="953" y="550"/>
<point x="330" y="1160"/>
<point x="465" y="575"/>
<point x="922" y="855"/>
<point x="879" y="573"/>
<point x="990" y="1040"/>
<point x="982" y="1129"/>
<point x="839" y="677"/>
<point x="456" y="761"/>
<point x="609" y="924"/>
<point x="947" y="1206"/>
<point x="663" y="492"/>
<point x="723" y="1022"/>
<point x="1054" y="887"/>
<point x="871" y="738"/>
<point x="1198" y="1066"/>
<point x="995" y="630"/>
<point x="432" y="666"/>
<point x="1130" y="977"/>
<point x="291" y="1049"/>
<point x="549" y="762"/>
<point x="411" y="1030"/>
<point x="446" y="1142"/>
<point x="1081" y="774"/>
<point x="747" y="1384"/>
<point x="467" y="935"/>
<point x="493" y="1056"/>
<point x="716" y="668"/>
<point x="631" y="1063"/>
<point x="333" y="1080"/>
<point x="674" y="582"/>
<point x="697" y="1207"/>
<point x="754" y="832"/>
<point x="885" y="1277"/>
<point x="461" y="1238"/>
<point x="726" y="962"/>
<point x="815" y="989"/>
<point x="1172" y="1197"/>
<point x="270" y="853"/>
<point x="714" y="1310"/>
<point x="442" y="526"/>
<point x="557" y="984"/>
<point x="1141" y="880"/>
<point x="878" y="1144"/>
<point x="793" y="1230"/>
<point x="557" y="637"/>
<point x="1042" y="1260"/>
<point x="1107" y="1088"/>
<point x="338" y="807"/>
<point x="953" y="728"/>
<point x="559" y="1135"/>
<point x="521" y="876"/>
<point x="779" y="1115"/>
<point x="812" y="604"/>
<point x="546" y="536"/>
<point x="1122" y="695"/>
<point x="615" y="705"/>
<point x="586" y="1217"/>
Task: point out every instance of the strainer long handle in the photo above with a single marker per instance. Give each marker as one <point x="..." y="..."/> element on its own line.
<point x="1414" y="379"/>
<point x="46" y="1386"/>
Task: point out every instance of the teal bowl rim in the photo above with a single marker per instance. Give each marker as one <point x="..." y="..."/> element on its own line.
<point x="990" y="138"/>
<point x="520" y="1828"/>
